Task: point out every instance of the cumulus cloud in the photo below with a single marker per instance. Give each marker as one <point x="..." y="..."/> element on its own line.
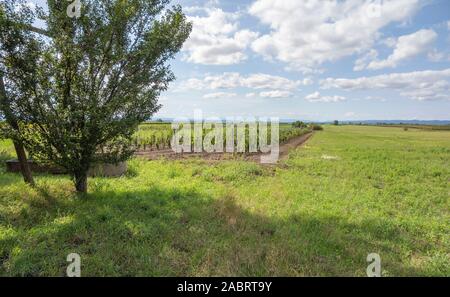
<point x="219" y="95"/>
<point x="438" y="56"/>
<point x="406" y="47"/>
<point x="375" y="98"/>
<point x="266" y="81"/>
<point x="418" y="85"/>
<point x="389" y="42"/>
<point x="216" y="38"/>
<point x="276" y="94"/>
<point x="230" y="80"/>
<point x="317" y="97"/>
<point x="307" y="81"/>
<point x="305" y="34"/>
<point x="361" y="63"/>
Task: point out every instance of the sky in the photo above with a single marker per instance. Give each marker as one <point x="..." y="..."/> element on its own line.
<point x="313" y="60"/>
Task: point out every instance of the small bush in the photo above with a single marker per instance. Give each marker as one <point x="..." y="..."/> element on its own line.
<point x="317" y="128"/>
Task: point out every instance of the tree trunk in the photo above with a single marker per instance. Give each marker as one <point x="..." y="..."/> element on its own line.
<point x="12" y="121"/>
<point x="81" y="184"/>
<point x="24" y="166"/>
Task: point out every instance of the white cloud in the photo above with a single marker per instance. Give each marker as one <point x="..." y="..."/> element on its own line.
<point x="216" y="38"/>
<point x="350" y="114"/>
<point x="305" y="70"/>
<point x="390" y="42"/>
<point x="219" y="95"/>
<point x="419" y="85"/>
<point x="266" y="81"/>
<point x="230" y="80"/>
<point x="361" y="63"/>
<point x="250" y="95"/>
<point x="276" y="94"/>
<point x="376" y="98"/>
<point x="438" y="56"/>
<point x="448" y="25"/>
<point x="317" y="97"/>
<point x="406" y="47"/>
<point x="211" y="4"/>
<point x="226" y="81"/>
<point x="305" y="34"/>
<point x="308" y="82"/>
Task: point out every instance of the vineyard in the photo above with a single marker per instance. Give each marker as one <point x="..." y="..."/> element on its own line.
<point x="158" y="136"/>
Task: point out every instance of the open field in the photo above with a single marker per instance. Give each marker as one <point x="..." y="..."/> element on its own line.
<point x="350" y="191"/>
<point x="421" y="127"/>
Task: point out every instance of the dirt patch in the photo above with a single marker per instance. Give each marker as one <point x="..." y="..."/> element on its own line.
<point x="293" y="144"/>
<point x="214" y="157"/>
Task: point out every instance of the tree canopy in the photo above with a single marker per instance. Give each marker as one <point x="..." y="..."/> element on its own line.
<point x="299" y="124"/>
<point x="82" y="86"/>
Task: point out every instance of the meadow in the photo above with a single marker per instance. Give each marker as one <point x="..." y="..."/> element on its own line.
<point x="350" y="191"/>
<point x="421" y="127"/>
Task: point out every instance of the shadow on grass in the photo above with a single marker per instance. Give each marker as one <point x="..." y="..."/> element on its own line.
<point x="6" y="179"/>
<point x="173" y="232"/>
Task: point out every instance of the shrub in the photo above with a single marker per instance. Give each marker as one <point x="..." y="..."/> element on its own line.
<point x="317" y="127"/>
<point x="299" y="124"/>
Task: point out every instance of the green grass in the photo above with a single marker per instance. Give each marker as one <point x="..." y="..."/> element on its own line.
<point x="421" y="127"/>
<point x="6" y="148"/>
<point x="349" y="192"/>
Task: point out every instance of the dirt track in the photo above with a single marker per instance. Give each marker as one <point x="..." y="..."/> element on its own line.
<point x="171" y="155"/>
<point x="293" y="143"/>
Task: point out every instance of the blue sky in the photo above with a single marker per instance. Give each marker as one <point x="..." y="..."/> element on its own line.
<point x="314" y="60"/>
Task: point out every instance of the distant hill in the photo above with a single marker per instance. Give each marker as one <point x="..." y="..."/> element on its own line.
<point x="365" y="122"/>
<point x="380" y="122"/>
<point x="397" y="122"/>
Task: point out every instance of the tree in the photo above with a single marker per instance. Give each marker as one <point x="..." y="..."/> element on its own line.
<point x="336" y="123"/>
<point x="95" y="80"/>
<point x="299" y="124"/>
<point x="11" y="33"/>
<point x="12" y="131"/>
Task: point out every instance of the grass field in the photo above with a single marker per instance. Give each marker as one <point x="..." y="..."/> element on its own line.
<point x="421" y="127"/>
<point x="351" y="191"/>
